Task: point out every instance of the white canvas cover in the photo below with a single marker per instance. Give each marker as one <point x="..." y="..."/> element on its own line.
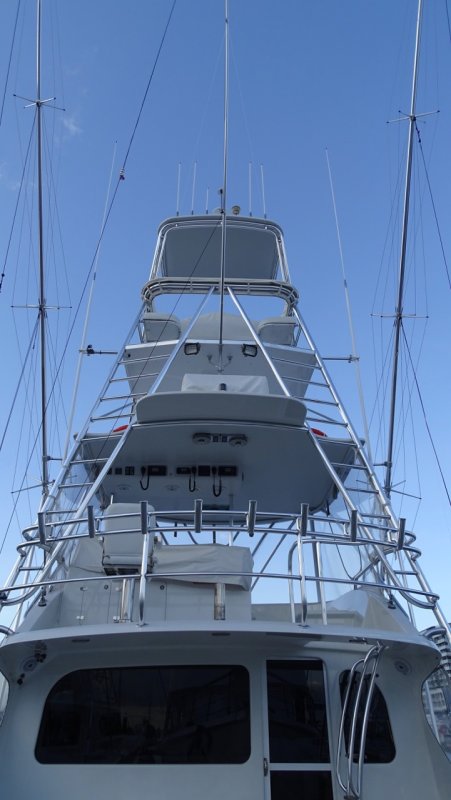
<point x="277" y="330"/>
<point x="123" y="549"/>
<point x="214" y="559"/>
<point x="246" y="384"/>
<point x="207" y="405"/>
<point x="160" y="327"/>
<point x="207" y="327"/>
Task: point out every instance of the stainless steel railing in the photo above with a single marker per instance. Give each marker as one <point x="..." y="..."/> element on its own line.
<point x="46" y="538"/>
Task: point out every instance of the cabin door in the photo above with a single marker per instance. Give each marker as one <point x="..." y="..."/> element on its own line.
<point x="297" y="764"/>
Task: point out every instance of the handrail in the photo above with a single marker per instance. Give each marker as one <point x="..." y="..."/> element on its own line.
<point x="144" y="560"/>
<point x="302" y="539"/>
<point x="352" y="785"/>
<point x="264" y="288"/>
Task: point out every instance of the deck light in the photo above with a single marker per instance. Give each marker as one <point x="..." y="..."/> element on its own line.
<point x="191" y="348"/>
<point x="249" y="350"/>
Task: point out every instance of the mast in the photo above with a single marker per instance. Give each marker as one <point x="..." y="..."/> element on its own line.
<point x="224" y="180"/>
<point x="42" y="302"/>
<point x="402" y="263"/>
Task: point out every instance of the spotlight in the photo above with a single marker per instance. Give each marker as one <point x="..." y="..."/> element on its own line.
<point x="249" y="350"/>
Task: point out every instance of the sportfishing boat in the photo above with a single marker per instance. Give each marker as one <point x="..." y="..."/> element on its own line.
<point x="216" y="598"/>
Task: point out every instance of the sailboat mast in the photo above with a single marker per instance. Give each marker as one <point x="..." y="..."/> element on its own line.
<point x="42" y="301"/>
<point x="402" y="263"/>
<point x="224" y="180"/>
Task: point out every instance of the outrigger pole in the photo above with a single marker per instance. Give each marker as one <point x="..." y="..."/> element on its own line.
<point x="223" y="191"/>
<point x="402" y="264"/>
<point x="42" y="302"/>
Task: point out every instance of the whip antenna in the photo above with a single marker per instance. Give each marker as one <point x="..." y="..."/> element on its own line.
<point x="83" y="347"/>
<point x="262" y="178"/>
<point x="194" y="187"/>
<point x="354" y="355"/>
<point x="177" y="202"/>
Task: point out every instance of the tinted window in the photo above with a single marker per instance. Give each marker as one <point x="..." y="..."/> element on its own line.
<point x="298" y="785"/>
<point x="297" y="712"/>
<point x="148" y="715"/>
<point x="379" y="745"/>
<point x="4" y="691"/>
<point x="437" y="704"/>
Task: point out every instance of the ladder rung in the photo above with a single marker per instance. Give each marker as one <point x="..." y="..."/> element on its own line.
<point x="404" y="572"/>
<point x="118" y="417"/>
<point x="321" y="402"/>
<point x="86" y="461"/>
<point x="144" y="359"/>
<point x="74" y="486"/>
<point x="354" y="466"/>
<point x="327" y="422"/>
<point x="105" y="437"/>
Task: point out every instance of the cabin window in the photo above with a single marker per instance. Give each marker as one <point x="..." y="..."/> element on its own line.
<point x="148" y="715"/>
<point x="437" y="705"/>
<point x="379" y="744"/>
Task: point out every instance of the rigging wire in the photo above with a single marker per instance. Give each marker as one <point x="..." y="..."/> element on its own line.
<point x="157" y="58"/>
<point x="9" y="63"/>
<point x="448" y="22"/>
<point x="433" y="205"/>
<point x="425" y="418"/>
<point x="19" y="193"/>
<point x="54" y="223"/>
<point x="55" y="217"/>
<point x="19" y="382"/>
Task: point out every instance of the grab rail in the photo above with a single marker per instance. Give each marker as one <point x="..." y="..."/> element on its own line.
<point x="352" y="784"/>
<point x="345" y="534"/>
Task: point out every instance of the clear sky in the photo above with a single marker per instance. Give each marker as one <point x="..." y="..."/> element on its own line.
<point x="305" y="76"/>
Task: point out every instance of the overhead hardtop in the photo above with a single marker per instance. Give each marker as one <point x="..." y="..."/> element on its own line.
<point x="190" y="247"/>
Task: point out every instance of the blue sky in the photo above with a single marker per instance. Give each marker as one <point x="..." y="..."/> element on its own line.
<point x="305" y="76"/>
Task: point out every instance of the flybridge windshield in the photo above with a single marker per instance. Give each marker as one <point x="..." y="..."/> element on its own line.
<point x="191" y="248"/>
